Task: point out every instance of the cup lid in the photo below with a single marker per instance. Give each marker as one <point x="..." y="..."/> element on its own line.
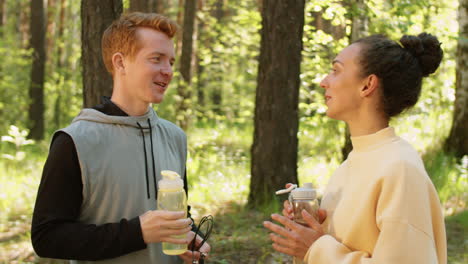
<point x="305" y="192"/>
<point x="170" y="181"/>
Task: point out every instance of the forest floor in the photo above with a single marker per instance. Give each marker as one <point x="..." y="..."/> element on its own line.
<point x="238" y="237"/>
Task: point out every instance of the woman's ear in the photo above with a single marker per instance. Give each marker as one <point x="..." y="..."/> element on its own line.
<point x="118" y="63"/>
<point x="371" y="83"/>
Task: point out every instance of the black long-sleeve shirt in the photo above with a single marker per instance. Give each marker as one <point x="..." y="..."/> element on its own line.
<point x="56" y="231"/>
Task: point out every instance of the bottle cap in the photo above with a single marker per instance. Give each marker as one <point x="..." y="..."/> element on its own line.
<point x="170" y="181"/>
<point x="305" y="192"/>
<point x="283" y="191"/>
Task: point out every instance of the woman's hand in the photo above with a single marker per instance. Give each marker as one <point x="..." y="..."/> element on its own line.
<point x="294" y="239"/>
<point x="288" y="210"/>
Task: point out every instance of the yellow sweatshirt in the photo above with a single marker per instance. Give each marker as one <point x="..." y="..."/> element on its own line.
<point x="382" y="208"/>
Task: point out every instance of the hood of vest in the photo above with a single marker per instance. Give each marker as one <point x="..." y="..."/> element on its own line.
<point x="93" y="115"/>
<point x="144" y="123"/>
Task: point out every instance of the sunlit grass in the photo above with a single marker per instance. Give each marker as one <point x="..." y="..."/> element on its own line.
<point x="18" y="190"/>
<point x="457" y="245"/>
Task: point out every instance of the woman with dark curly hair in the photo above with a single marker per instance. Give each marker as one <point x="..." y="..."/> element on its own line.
<point x="380" y="205"/>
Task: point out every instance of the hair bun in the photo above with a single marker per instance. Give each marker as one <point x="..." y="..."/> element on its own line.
<point x="426" y="48"/>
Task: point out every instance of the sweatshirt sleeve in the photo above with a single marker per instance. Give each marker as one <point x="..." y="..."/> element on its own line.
<point x="408" y="215"/>
<point x="398" y="243"/>
<point x="56" y="231"/>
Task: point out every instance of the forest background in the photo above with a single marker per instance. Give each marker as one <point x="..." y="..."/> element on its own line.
<point x="50" y="70"/>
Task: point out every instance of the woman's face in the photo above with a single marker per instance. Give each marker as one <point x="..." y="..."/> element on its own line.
<point x="343" y="85"/>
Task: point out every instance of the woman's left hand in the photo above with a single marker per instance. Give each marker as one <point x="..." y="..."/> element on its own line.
<point x="294" y="239"/>
<point x="189" y="255"/>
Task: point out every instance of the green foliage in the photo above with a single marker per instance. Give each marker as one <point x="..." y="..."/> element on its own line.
<point x="18" y="163"/>
<point x="18" y="139"/>
<point x="126" y="4"/>
<point x="63" y="84"/>
<point x="218" y="164"/>
<point x="14" y="84"/>
<point x="63" y="89"/>
<point x="450" y="177"/>
<point x="227" y="51"/>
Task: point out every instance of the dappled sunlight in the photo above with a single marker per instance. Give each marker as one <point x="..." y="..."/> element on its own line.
<point x="239" y="236"/>
<point x="18" y="192"/>
<point x="209" y="192"/>
<point x="423" y="130"/>
<point x="316" y="170"/>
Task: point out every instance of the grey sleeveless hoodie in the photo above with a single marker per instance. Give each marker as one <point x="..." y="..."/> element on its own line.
<point x="121" y="158"/>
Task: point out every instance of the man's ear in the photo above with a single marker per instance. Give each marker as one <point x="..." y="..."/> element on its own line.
<point x="371" y="83"/>
<point x="118" y="63"/>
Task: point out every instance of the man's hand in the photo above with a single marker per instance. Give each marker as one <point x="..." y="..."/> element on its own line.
<point x="162" y="226"/>
<point x="188" y="256"/>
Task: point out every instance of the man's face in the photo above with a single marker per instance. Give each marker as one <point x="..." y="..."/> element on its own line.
<point x="148" y="74"/>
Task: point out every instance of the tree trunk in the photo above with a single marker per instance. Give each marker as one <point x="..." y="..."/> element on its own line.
<point x="274" y="149"/>
<point x="60" y="61"/>
<point x="139" y="5"/>
<point x="51" y="29"/>
<point x="200" y="85"/>
<point x="217" y="93"/>
<point x="359" y="28"/>
<point x="457" y="142"/>
<point x="2" y="16"/>
<point x="96" y="16"/>
<point x="199" y="67"/>
<point x="36" y="89"/>
<point x="2" y="27"/>
<point x="24" y="23"/>
<point x="336" y="31"/>
<point x="155" y="6"/>
<point x="184" y="87"/>
<point x="360" y="21"/>
<point x="179" y="21"/>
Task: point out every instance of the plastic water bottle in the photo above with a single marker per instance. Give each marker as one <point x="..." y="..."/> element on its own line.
<point x="304" y="198"/>
<point x="172" y="197"/>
